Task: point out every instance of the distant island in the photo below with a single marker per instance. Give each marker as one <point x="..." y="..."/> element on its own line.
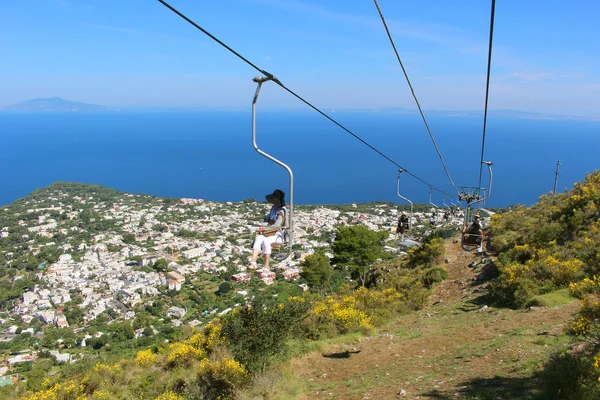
<point x="53" y="104"/>
<point x="60" y="104"/>
<point x="510" y="114"/>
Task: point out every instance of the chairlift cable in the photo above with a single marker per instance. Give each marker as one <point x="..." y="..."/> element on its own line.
<point x="487" y="89"/>
<point x="272" y="77"/>
<point x="414" y="95"/>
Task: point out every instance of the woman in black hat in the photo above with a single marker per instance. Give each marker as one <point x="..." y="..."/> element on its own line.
<point x="272" y="232"/>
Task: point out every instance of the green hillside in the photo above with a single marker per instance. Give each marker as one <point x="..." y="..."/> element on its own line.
<point x="435" y="323"/>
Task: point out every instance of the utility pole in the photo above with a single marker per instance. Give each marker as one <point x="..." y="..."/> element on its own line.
<point x="556" y="177"/>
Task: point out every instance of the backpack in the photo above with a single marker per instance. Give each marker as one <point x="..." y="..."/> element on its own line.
<point x="475" y="227"/>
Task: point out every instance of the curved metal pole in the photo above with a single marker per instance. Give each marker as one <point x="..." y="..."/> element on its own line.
<point x="400" y="171"/>
<point x="444" y="201"/>
<point x="290" y="222"/>
<point x="489" y="193"/>
<point x="484" y="198"/>
<point x="452" y="201"/>
<point x="431" y="202"/>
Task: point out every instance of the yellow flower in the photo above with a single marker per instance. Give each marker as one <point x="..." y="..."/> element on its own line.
<point x="169" y="396"/>
<point x="182" y="353"/>
<point x="145" y="358"/>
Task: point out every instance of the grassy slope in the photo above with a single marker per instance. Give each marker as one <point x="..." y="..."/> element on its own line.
<point x="448" y="350"/>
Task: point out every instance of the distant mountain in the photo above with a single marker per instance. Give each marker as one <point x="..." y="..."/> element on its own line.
<point x="53" y="104"/>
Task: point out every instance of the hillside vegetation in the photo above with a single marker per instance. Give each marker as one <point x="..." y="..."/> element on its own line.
<point x="232" y="351"/>
<point x="385" y="346"/>
<point x="553" y="245"/>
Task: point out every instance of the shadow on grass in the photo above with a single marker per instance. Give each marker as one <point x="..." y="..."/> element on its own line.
<point x="341" y="354"/>
<point x="528" y="388"/>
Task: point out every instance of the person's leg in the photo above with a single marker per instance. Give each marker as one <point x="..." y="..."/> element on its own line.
<point x="256" y="249"/>
<point x="267" y="248"/>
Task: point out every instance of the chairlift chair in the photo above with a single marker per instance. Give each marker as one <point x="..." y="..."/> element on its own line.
<point x="436" y="208"/>
<point x="444" y="201"/>
<point x="431" y="201"/>
<point x="410" y="219"/>
<point x="281" y="251"/>
<point x="469" y="240"/>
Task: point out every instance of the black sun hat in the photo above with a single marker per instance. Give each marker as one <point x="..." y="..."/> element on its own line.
<point x="277" y="198"/>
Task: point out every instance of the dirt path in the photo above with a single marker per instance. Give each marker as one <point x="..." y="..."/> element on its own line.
<point x="455" y="348"/>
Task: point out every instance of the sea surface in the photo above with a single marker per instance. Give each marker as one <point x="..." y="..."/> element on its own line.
<point x="209" y="155"/>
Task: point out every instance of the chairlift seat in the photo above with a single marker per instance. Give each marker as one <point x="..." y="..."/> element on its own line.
<point x="281" y="251"/>
<point x="470" y="241"/>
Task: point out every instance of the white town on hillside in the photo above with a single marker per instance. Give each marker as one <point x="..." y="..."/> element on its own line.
<point x="108" y="271"/>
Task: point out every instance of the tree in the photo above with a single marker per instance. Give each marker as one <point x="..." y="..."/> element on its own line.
<point x="357" y="248"/>
<point x="161" y="265"/>
<point x="259" y="332"/>
<point x="129" y="238"/>
<point x="316" y="270"/>
<point x="224" y="287"/>
<point x="160" y="228"/>
<point x="73" y="313"/>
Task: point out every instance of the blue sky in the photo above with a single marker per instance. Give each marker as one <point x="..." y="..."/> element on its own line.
<point x="334" y="53"/>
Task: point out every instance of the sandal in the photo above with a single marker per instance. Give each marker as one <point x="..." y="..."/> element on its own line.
<point x="252" y="265"/>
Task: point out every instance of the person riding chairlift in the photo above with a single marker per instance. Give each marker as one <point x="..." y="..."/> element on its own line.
<point x="272" y="232"/>
<point x="475" y="229"/>
<point x="402" y="226"/>
<point x="432" y="220"/>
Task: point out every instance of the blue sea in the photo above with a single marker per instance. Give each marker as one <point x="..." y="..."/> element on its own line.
<point x="209" y="154"/>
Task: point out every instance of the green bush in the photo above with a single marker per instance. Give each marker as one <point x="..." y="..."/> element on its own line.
<point x="568" y="376"/>
<point x="225" y="287"/>
<point x="554" y="243"/>
<point x="434" y="275"/>
<point x="316" y="270"/>
<point x="356" y="248"/>
<point x="430" y="252"/>
<point x="257" y="333"/>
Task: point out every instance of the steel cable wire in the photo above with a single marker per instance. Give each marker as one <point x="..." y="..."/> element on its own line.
<point x="487" y="89"/>
<point x="414" y="95"/>
<point x="272" y="77"/>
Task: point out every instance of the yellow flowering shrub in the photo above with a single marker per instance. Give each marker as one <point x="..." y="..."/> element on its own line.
<point x="511" y="274"/>
<point x="145" y="358"/>
<point x="564" y="272"/>
<point x="587" y="323"/>
<point x="339" y="316"/>
<point x="227" y="371"/>
<point x="169" y="396"/>
<point x="297" y="299"/>
<point x="209" y="338"/>
<point x="586" y="286"/>
<point x="103" y="374"/>
<point x="581" y="326"/>
<point x="182" y="354"/>
<point x="61" y="391"/>
<point x="379" y="305"/>
<point x="102" y="395"/>
<point x="354" y="311"/>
